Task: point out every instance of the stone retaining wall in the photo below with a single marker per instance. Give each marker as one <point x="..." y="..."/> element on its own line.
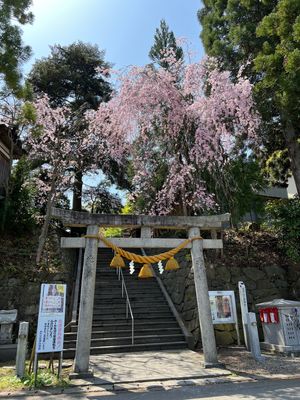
<point x="265" y="272"/>
<point x="21" y="289"/>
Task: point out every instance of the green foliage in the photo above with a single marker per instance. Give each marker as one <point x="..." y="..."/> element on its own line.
<point x="118" y="232"/>
<point x="262" y="38"/>
<point x="28" y="113"/>
<point x="73" y="74"/>
<point x="12" y="51"/>
<point x="128" y="208"/>
<point x="277" y="167"/>
<point x="164" y="40"/>
<point x="20" y="211"/>
<point x="44" y="378"/>
<point x="101" y="200"/>
<point x="278" y="59"/>
<point x="236" y="187"/>
<point x="113" y="232"/>
<point x="284" y="218"/>
<point x="10" y="383"/>
<point x="229" y="31"/>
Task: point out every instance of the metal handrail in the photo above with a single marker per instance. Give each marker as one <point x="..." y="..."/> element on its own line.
<point x="128" y="305"/>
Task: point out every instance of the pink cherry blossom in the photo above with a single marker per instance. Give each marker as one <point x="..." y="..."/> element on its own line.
<point x="189" y="119"/>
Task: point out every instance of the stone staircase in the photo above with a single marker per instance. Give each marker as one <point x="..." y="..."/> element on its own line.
<point x="155" y="326"/>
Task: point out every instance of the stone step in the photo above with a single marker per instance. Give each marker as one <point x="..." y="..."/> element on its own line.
<point x="117" y="312"/>
<point x="120" y="341"/>
<point x="136" y="315"/>
<point x="126" y="324"/>
<point x="155" y="327"/>
<point x="107" y="321"/>
<point x="130" y="289"/>
<point x="135" y="307"/>
<point x="70" y="353"/>
<point x="115" y="294"/>
<point x="118" y="300"/>
<point x="127" y="332"/>
<point x="140" y="299"/>
<point x="132" y="293"/>
<point x="116" y="283"/>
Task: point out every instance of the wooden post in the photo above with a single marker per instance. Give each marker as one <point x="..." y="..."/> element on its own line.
<point x="205" y="319"/>
<point x="85" y="321"/>
<point x="22" y="349"/>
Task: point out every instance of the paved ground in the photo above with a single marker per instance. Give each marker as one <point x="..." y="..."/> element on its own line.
<point x="149" y="366"/>
<point x="263" y="390"/>
<point x="179" y="375"/>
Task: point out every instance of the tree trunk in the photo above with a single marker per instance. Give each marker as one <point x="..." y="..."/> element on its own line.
<point x="7" y="187"/>
<point x="77" y="192"/>
<point x="184" y="207"/>
<point x="293" y="146"/>
<point x="45" y="227"/>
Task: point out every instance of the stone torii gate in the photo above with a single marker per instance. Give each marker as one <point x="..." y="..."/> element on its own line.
<point x="94" y="221"/>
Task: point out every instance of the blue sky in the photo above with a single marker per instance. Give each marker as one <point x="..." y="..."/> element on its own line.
<point x="124" y="28"/>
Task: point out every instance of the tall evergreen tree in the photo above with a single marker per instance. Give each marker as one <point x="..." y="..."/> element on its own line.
<point x="164" y="41"/>
<point x="263" y="38"/>
<point x="12" y="51"/>
<point x="74" y="75"/>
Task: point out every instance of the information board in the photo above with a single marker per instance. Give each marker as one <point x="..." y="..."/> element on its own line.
<point x="51" y="321"/>
<point x="223" y="307"/>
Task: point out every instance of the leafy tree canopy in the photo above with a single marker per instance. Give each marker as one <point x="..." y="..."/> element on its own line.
<point x="101" y="200"/>
<point x="74" y="75"/>
<point x="262" y="37"/>
<point x="283" y="216"/>
<point x="13" y="52"/>
<point x="278" y="59"/>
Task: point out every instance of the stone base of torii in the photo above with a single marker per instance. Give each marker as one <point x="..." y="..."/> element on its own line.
<point x="193" y="225"/>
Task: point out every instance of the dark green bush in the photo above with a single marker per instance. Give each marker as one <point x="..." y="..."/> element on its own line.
<point x="283" y="216"/>
<point x="17" y="211"/>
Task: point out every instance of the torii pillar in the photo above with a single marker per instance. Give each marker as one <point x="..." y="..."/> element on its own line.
<point x="203" y="304"/>
<point x="85" y="321"/>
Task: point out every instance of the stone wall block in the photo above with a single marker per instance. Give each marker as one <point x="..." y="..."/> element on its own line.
<point x="223" y="274"/>
<point x="265" y="283"/>
<point x="254" y="273"/>
<point x="275" y="271"/>
<point x="281" y="284"/>
<point x="224" y="338"/>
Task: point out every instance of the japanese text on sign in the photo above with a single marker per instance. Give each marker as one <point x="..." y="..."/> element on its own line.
<point x="50" y="332"/>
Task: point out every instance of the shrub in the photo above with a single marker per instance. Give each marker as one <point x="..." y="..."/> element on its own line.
<point x="17" y="211"/>
<point x="283" y="216"/>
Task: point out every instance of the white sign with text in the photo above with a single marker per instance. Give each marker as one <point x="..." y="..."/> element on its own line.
<point x="51" y="321"/>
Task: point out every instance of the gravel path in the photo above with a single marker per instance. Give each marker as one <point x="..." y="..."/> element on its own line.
<point x="240" y="361"/>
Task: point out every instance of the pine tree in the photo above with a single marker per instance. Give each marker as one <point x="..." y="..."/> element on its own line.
<point x="12" y="51"/>
<point x="164" y="40"/>
<point x="263" y="38"/>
